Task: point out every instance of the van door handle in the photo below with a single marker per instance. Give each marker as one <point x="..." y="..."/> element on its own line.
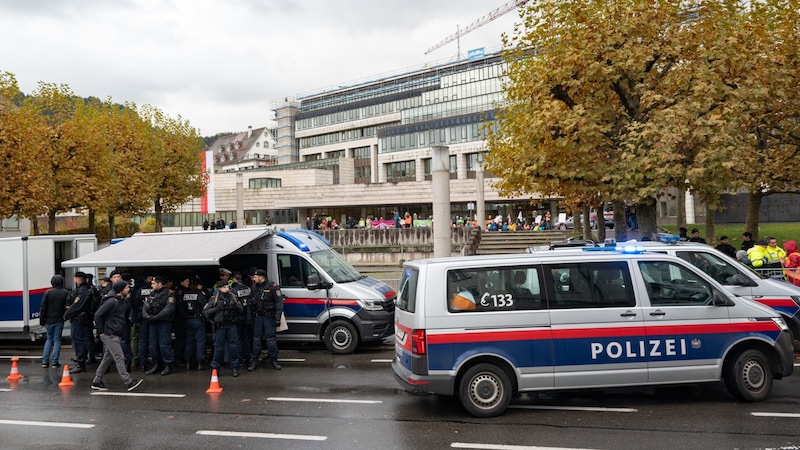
<point x="628" y="314"/>
<point x="658" y="313"/>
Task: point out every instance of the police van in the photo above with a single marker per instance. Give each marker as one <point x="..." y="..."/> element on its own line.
<point x="325" y="297"/>
<point x="734" y="276"/>
<point x="486" y="328"/>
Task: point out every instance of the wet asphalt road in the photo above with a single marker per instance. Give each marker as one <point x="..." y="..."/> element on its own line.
<point x="352" y="402"/>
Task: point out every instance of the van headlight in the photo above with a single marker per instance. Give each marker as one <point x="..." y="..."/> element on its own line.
<point x="372" y="304"/>
<point x="779" y="321"/>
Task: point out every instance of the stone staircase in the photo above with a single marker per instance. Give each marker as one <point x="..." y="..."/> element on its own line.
<point x="500" y="242"/>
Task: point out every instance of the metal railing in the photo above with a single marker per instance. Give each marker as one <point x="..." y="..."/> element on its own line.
<point x="791" y="275"/>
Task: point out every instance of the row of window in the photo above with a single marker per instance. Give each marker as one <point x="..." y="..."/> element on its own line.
<point x="443" y="136"/>
<point x="363" y="112"/>
<point x="259" y="183"/>
<point x="339" y="136"/>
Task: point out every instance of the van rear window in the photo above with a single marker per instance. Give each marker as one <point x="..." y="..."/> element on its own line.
<point x="407" y="291"/>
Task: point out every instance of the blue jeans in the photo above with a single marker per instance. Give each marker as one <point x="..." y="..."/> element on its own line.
<point x="53" y="341"/>
<point x="161" y="342"/>
<point x="264" y="327"/>
<point x="225" y="335"/>
<point x="79" y="331"/>
<point x="195" y="340"/>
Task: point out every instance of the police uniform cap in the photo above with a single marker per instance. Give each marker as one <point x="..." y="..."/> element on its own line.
<point x="107" y="279"/>
<point x="80" y="274"/>
<point x="160" y="279"/>
<point x="695" y="230"/>
<point x="261" y="272"/>
<point x="119" y="286"/>
<point x="224" y="271"/>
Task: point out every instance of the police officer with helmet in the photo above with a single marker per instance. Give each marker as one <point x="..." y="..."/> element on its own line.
<point x="266" y="302"/>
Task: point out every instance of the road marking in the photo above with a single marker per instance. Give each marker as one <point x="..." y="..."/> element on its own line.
<point x="47" y="424"/>
<point x="506" y="447"/>
<point x="577" y="408"/>
<point x="22" y="357"/>
<point x="301" y="437"/>
<point x="320" y="400"/>
<point x="381" y="361"/>
<point x="769" y="414"/>
<point x="292" y="359"/>
<point x="5" y="390"/>
<point x="139" y="394"/>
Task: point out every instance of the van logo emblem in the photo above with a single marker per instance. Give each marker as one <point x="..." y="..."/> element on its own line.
<point x="696" y="343"/>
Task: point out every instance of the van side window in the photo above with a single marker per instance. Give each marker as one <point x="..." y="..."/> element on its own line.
<point x="293" y="270"/>
<point x="669" y="284"/>
<point x="709" y="263"/>
<point x="407" y="290"/>
<point x="494" y="289"/>
<point x="590" y="285"/>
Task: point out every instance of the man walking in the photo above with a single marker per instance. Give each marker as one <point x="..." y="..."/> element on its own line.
<point x="111" y="323"/>
<point x="267" y="303"/>
<point x="51" y="316"/>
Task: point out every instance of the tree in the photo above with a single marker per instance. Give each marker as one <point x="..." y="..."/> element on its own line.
<point x="175" y="145"/>
<point x="613" y="102"/>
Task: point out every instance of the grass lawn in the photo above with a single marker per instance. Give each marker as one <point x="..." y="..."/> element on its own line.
<point x="782" y="231"/>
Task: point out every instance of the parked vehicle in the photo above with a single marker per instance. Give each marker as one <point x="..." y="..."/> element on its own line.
<point x="325" y="297"/>
<point x="31" y="261"/>
<point x="487" y="328"/>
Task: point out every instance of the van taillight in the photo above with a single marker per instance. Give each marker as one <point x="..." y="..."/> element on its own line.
<point x="418" y="346"/>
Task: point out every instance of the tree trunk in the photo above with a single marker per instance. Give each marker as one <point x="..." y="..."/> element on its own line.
<point x="112" y="233"/>
<point x="35" y="224"/>
<point x="681" y="200"/>
<point x="51" y="222"/>
<point x="646" y="216"/>
<point x="158" y="209"/>
<point x="601" y="226"/>
<point x="92" y="225"/>
<point x="751" y="217"/>
<point x="710" y="233"/>
<point x="586" y="223"/>
<point x="620" y="222"/>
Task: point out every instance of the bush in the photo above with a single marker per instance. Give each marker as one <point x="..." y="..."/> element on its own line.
<point x="126" y="229"/>
<point x="149" y="225"/>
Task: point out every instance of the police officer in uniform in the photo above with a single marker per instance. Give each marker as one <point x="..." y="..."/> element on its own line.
<point x="158" y="311"/>
<point x="266" y="302"/>
<point x="141" y="333"/>
<point x="79" y="314"/>
<point x="191" y="302"/>
<point x="244" y="323"/>
<point x="222" y="311"/>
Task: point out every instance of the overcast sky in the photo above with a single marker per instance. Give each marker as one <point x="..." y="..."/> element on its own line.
<point x="219" y="64"/>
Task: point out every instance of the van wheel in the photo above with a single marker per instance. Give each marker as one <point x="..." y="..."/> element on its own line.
<point x="341" y="337"/>
<point x="749" y="377"/>
<point x="485" y="390"/>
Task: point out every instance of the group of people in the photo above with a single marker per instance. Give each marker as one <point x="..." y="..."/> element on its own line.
<point x="218" y="224"/>
<point x="134" y="323"/>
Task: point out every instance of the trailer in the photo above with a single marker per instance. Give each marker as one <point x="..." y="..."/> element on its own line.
<point x="29" y="264"/>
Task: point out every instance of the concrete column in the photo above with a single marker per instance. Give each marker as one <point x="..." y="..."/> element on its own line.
<point x="480" y="202"/>
<point x="240" y="201"/>
<point x="690" y="213"/>
<point x="440" y="167"/>
<point x="461" y="166"/>
<point x="420" y="169"/>
<point x="373" y="160"/>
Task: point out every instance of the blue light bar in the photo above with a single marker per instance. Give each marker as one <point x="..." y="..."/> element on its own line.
<point x="668" y="238"/>
<point x="295" y="241"/>
<point x="627" y="249"/>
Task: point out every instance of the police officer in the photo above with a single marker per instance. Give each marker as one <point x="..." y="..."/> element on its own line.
<point x="222" y="311"/>
<point x="266" y="301"/>
<point x="244" y="323"/>
<point x="79" y="314"/>
<point x="158" y="312"/>
<point x="140" y="335"/>
<point x="191" y="302"/>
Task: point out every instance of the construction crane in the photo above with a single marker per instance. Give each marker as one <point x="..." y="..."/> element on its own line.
<point x="510" y="6"/>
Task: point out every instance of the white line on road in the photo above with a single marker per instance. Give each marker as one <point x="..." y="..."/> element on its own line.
<point x="381" y="361"/>
<point x="47" y="424"/>
<point x="292" y="359"/>
<point x="138" y="394"/>
<point x="5" y="390"/>
<point x="320" y="400"/>
<point x="576" y="408"/>
<point x="302" y="437"/>
<point x="770" y="414"/>
<point x="22" y="357"/>
<point x="505" y="447"/>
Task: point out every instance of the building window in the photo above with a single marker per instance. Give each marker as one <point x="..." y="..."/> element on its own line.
<point x="260" y="183"/>
<point x="401" y="171"/>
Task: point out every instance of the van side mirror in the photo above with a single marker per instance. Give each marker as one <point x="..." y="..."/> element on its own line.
<point x="739" y="279"/>
<point x="315" y="283"/>
<point x="720" y="299"/>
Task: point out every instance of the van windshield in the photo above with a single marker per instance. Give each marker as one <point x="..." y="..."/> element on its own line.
<point x="335" y="266"/>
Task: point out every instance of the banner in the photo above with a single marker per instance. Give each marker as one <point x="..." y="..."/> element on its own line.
<point x="207" y="166"/>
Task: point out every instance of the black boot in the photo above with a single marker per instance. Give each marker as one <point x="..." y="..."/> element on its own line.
<point x="167" y="370"/>
<point x="201" y="365"/>
<point x="253" y="365"/>
<point x="154" y="370"/>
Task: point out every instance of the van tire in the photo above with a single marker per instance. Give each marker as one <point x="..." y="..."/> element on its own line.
<point x="341" y="337"/>
<point x="485" y="390"/>
<point x="749" y="376"/>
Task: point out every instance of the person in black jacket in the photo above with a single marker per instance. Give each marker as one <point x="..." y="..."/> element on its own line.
<point x="80" y="321"/>
<point x="222" y="311"/>
<point x="111" y="327"/>
<point x="51" y="316"/>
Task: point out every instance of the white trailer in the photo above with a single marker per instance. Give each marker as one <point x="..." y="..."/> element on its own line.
<point x="29" y="262"/>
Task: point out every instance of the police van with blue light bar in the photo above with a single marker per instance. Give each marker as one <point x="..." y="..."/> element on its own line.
<point x="325" y="297"/>
<point x="486" y="328"/>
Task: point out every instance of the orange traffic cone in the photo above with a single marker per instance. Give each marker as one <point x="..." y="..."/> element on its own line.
<point x="66" y="381"/>
<point x="14" y="376"/>
<point x="214" y="387"/>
